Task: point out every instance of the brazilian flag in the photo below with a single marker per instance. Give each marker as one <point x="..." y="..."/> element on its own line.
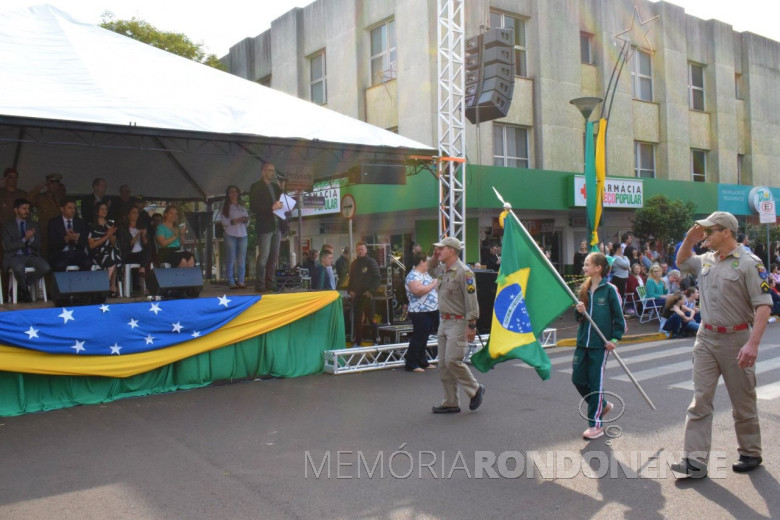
<point x="595" y="179"/>
<point x="529" y="297"/>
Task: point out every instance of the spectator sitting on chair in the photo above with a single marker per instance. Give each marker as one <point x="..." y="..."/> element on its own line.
<point x="672" y="281"/>
<point x="102" y="245"/>
<point x="775" y="296"/>
<point x="68" y="239"/>
<point x="168" y="236"/>
<point x="656" y="288"/>
<point x="134" y="245"/>
<point x="21" y="243"/>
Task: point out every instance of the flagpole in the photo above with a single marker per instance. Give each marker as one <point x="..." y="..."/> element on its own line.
<point x="508" y="207"/>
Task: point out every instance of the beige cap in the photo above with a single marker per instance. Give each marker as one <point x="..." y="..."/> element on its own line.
<point x="452" y="242"/>
<point x="721" y="218"/>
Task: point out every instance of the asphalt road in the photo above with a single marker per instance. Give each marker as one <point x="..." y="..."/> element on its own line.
<point x="270" y="449"/>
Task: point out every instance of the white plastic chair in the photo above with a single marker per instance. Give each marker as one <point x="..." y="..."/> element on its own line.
<point x="126" y="287"/>
<point x="650" y="309"/>
<point x="14" y="286"/>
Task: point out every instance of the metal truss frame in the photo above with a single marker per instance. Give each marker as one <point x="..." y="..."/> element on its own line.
<point x="380" y="357"/>
<point x="451" y="120"/>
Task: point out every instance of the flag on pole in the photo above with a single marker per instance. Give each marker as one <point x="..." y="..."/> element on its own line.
<point x="591" y="190"/>
<point x="601" y="171"/>
<point x="529" y="297"/>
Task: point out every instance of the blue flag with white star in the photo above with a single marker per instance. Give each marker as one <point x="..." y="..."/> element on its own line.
<point x="119" y="329"/>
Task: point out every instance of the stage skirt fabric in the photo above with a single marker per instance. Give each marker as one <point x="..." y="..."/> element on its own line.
<point x="281" y="335"/>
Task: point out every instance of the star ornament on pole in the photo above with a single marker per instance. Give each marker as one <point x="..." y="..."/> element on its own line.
<point x="636" y="34"/>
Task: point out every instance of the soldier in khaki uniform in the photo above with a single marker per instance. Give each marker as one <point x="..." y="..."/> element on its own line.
<point x="457" y="327"/>
<point x="735" y="306"/>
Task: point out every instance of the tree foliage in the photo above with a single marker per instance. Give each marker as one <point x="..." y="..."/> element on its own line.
<point x="176" y="43"/>
<point x="663" y="219"/>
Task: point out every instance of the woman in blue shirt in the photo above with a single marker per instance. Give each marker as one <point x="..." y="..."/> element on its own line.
<point x="423" y="311"/>
<point x="656" y="288"/>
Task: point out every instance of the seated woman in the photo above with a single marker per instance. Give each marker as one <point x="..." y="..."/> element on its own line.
<point x="134" y="245"/>
<point x="102" y="243"/>
<point x="656" y="288"/>
<point x="690" y="301"/>
<point x="680" y="320"/>
<point x="635" y="279"/>
<point x="168" y="237"/>
<point x="775" y="296"/>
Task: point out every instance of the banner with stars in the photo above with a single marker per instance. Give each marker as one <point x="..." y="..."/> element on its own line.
<point x="121" y="340"/>
<point x="119" y="329"/>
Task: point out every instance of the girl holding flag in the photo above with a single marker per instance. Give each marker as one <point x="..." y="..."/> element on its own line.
<point x="602" y="302"/>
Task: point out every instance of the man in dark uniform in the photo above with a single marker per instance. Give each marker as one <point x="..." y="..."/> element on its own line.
<point x="459" y="311"/>
<point x="735" y="306"/>
<point x="364" y="280"/>
<point x="342" y="268"/>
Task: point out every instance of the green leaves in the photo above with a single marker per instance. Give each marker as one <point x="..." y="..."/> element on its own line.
<point x="663" y="219"/>
<point x="175" y="43"/>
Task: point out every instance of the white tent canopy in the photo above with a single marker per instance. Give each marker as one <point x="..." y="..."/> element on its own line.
<point x="86" y="102"/>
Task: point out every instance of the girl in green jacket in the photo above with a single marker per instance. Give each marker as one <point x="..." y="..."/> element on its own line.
<point x="602" y="302"/>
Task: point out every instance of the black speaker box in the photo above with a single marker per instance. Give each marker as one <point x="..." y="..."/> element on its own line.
<point x="80" y="288"/>
<point x="378" y="174"/>
<point x="486" y="294"/>
<point x="175" y="282"/>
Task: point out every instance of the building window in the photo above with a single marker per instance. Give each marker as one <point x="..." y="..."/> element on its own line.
<point x="696" y="86"/>
<point x="641" y="76"/>
<point x="384" y="57"/>
<point x="318" y="87"/>
<point x="504" y="21"/>
<point x="740" y="165"/>
<point x="698" y="165"/>
<point x="738" y="86"/>
<point x="586" y="48"/>
<point x="510" y="146"/>
<point x="644" y="160"/>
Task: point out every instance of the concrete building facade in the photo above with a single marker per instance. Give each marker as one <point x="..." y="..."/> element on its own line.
<point x="703" y="106"/>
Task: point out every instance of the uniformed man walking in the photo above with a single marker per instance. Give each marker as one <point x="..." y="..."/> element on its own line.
<point x="459" y="311"/>
<point x="735" y="306"/>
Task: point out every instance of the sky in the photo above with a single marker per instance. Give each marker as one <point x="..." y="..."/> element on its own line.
<point x="220" y="24"/>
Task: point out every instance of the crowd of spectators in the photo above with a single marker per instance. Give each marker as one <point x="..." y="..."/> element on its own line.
<point x="47" y="230"/>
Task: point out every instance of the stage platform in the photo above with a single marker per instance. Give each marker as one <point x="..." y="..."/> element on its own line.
<point x="48" y="363"/>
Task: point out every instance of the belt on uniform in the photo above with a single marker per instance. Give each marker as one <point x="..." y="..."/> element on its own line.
<point x="726" y="330"/>
<point x="446" y="316"/>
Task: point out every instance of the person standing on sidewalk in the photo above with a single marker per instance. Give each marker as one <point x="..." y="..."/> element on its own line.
<point x="459" y="311"/>
<point x="735" y="306"/>
<point x="602" y="302"/>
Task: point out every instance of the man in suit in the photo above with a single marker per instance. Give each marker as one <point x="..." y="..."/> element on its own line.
<point x="263" y="201"/>
<point x="98" y="194"/>
<point x="68" y="239"/>
<point x="21" y="242"/>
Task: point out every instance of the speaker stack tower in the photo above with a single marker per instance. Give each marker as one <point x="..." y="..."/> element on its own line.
<point x="490" y="75"/>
